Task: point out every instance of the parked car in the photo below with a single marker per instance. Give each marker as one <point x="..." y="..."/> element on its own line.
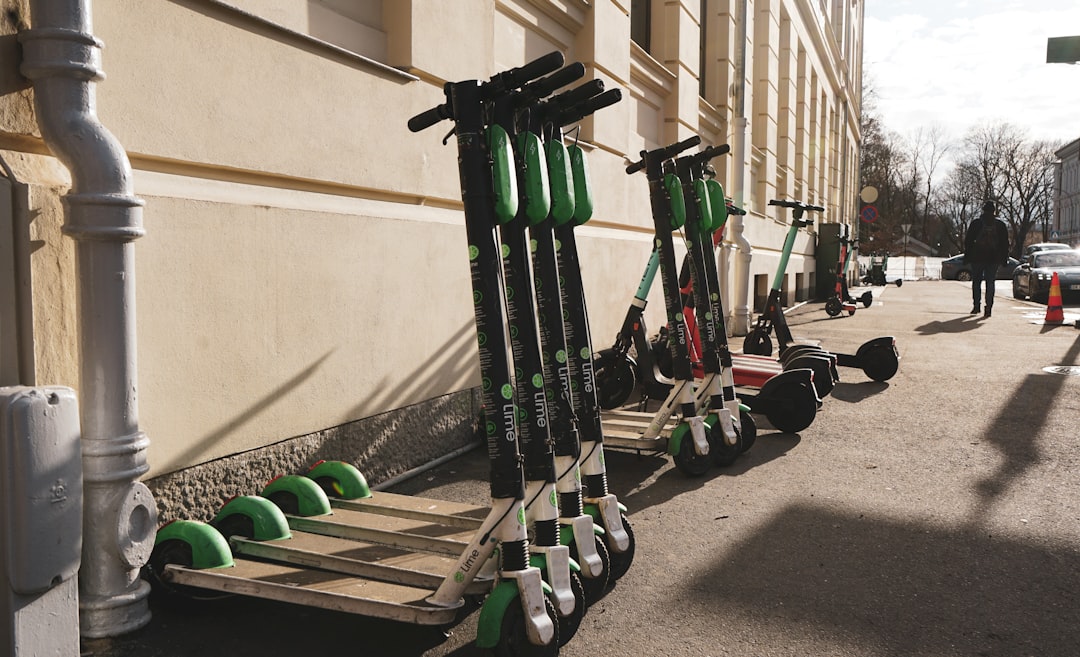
<point x="1033" y="278"/>
<point x="954" y="269"/>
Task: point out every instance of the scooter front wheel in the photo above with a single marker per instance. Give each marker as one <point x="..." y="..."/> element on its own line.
<point x="747" y="430"/>
<point x="867" y="298"/>
<point x="513" y="637"/>
<point x="834" y="306"/>
<point x="757" y="343"/>
<point x="620" y="561"/>
<point x="595" y="587"/>
<point x="723" y="453"/>
<point x="686" y="458"/>
<point x="615" y="378"/>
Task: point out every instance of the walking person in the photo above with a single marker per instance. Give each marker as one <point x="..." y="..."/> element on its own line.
<point x="986" y="247"/>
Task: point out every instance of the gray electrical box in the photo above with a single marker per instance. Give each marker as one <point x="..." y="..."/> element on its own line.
<point x="41" y="462"/>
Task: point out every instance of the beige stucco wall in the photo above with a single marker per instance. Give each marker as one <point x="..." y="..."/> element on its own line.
<point x="304" y="259"/>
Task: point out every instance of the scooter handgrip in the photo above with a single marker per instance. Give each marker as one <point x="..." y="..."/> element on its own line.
<point x="816" y="208"/>
<point x="561" y="78"/>
<point x="784" y="204"/>
<point x="429" y="118"/>
<point x="637" y="166"/>
<point x="580" y="111"/>
<point x="715" y="151"/>
<point x="675" y="149"/>
<point x="578" y="94"/>
<point x="517" y="77"/>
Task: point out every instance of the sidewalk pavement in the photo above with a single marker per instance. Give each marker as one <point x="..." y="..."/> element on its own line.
<point x="937" y="514"/>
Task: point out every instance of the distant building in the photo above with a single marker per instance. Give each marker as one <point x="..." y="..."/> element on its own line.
<point x="1065" y="226"/>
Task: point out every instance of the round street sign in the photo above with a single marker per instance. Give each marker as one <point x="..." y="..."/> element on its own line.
<point x="868" y="214"/>
<point x="868" y="194"/>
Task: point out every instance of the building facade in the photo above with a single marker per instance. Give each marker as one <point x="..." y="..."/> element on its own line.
<point x="1065" y="224"/>
<point x="302" y="287"/>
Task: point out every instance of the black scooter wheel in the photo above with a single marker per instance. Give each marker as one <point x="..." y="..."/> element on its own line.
<point x="723" y="454"/>
<point x="747" y="430"/>
<point x="757" y="343"/>
<point x="595" y="587"/>
<point x="514" y="638"/>
<point x="620" y="561"/>
<point x="880" y="363"/>
<point x="792" y="408"/>
<point x="615" y="379"/>
<point x="834" y="306"/>
<point x="867" y="298"/>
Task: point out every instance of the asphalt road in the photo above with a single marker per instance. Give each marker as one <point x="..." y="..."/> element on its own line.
<point x="934" y="515"/>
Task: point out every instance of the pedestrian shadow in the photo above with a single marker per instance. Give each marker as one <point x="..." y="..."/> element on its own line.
<point x="957" y="325"/>
<point x="823" y="576"/>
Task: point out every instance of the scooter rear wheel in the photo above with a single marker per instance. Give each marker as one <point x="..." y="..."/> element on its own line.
<point x="834" y="306"/>
<point x="757" y="343"/>
<point x="615" y="379"/>
<point x="880" y="363"/>
<point x="793" y="407"/>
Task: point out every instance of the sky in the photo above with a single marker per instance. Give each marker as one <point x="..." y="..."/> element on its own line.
<point x="957" y="64"/>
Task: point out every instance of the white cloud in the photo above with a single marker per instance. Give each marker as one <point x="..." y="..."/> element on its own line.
<point x="955" y="65"/>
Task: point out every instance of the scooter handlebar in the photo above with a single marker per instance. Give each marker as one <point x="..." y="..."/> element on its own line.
<point x="664" y="153"/>
<point x="428" y="118"/>
<point x="796" y="205"/>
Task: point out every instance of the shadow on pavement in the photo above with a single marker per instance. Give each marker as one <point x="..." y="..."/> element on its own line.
<point x="957" y="325"/>
<point x="856" y="392"/>
<point x="911" y="589"/>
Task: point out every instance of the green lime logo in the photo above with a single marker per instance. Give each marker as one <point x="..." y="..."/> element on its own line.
<point x="714" y="296"/>
<point x="477" y="297"/>
<point x="474" y="252"/>
<point x="522" y="415"/>
<point x="485" y="383"/>
<point x="577" y="475"/>
<point x="513" y="332"/>
<point x="519" y="374"/>
<point x="552" y="499"/>
<point x="708" y="316"/>
<point x="560" y="356"/>
<point x="657" y="242"/>
<point x="679" y="316"/>
<point x="507" y="391"/>
<point x="459" y="577"/>
<point x="538" y="381"/>
<point x="509" y="293"/>
<point x="585" y="353"/>
<point x="481" y="339"/>
<point x="521" y="516"/>
<point x="601" y="458"/>
<point x="532" y="246"/>
<point x="490" y="428"/>
<point x="558" y="244"/>
<point x="506" y="250"/>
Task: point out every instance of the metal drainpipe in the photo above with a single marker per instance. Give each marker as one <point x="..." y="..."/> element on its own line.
<point x="62" y="59"/>
<point x="741" y="312"/>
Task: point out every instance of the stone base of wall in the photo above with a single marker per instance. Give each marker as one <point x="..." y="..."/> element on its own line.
<point x="382" y="446"/>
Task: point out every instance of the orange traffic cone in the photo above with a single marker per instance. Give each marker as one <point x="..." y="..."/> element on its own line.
<point x="1054" y="312"/>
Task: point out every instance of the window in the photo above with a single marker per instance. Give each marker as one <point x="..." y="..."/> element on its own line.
<point x="641" y="23"/>
<point x="353" y="25"/>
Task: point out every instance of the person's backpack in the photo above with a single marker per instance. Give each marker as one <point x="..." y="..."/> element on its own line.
<point x="986" y="243"/>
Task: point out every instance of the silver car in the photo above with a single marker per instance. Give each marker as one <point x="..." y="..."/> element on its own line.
<point x="954" y="269"/>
